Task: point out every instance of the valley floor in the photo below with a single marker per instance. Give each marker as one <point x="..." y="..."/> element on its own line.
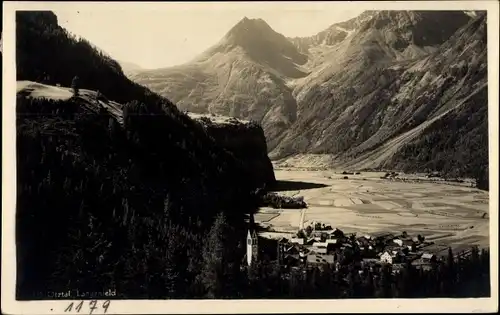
<point x="449" y="215"/>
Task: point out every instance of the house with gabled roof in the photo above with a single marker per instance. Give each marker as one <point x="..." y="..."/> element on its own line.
<point x="386" y="257"/>
<point x="317" y="260"/>
<point x="297" y="240"/>
<point x="428" y="257"/>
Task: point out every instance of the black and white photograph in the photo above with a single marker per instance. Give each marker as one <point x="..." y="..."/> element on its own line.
<point x="250" y="151"/>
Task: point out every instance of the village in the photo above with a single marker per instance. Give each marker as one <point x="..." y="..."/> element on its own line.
<point x="320" y="246"/>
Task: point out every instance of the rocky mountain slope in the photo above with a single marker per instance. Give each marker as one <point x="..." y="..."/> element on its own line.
<point x="332" y="35"/>
<point x="361" y="91"/>
<point x="456" y="138"/>
<point x="244" y="76"/>
<point x="382" y="95"/>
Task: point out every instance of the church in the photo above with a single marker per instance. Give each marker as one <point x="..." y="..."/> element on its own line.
<point x="263" y="249"/>
<point x="252" y="247"/>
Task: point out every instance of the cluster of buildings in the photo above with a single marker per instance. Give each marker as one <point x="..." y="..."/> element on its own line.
<point x="283" y="202"/>
<point x="337" y="249"/>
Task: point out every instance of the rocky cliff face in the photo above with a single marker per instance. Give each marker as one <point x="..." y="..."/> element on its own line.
<point x="333" y="34"/>
<point x="245" y="140"/>
<point x="456" y="139"/>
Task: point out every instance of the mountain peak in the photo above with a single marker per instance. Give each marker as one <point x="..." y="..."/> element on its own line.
<point x="248" y="26"/>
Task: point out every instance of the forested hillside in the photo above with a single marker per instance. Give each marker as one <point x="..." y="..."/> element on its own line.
<point x="457" y="144"/>
<point x="104" y="207"/>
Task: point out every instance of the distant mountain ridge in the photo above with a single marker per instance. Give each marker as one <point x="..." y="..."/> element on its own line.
<point x="130" y="68"/>
<point x="345" y="91"/>
<point x="333" y="34"/>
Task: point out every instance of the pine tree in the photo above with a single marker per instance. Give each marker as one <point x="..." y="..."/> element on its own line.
<point x="450" y="273"/>
<point x="369" y="285"/>
<point x="482" y="178"/>
<point x="353" y="288"/>
<point x="325" y="281"/>
<point x="386" y="281"/>
<point x="406" y="281"/>
<point x="171" y="274"/>
<point x="254" y="276"/>
<point x="484" y="267"/>
<point x="275" y="282"/>
<point x="450" y="260"/>
<point x="293" y="285"/>
<point x="314" y="286"/>
<point x="75" y="85"/>
<point x="218" y="269"/>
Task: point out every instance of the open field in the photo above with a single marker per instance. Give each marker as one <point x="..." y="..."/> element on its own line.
<point x="445" y="214"/>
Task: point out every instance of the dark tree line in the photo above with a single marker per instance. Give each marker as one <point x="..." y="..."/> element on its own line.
<point x="453" y="277"/>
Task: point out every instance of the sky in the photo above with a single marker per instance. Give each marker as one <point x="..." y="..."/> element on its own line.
<point x="155" y="35"/>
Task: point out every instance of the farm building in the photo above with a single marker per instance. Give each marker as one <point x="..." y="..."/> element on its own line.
<point x="363" y="241"/>
<point x="421" y="264"/>
<point x="398" y="241"/>
<point x="428" y="257"/>
<point x="297" y="240"/>
<point x="410" y="244"/>
<point x="319" y="250"/>
<point x="319" y="260"/>
<point x="369" y="261"/>
<point x="335" y="233"/>
<point x="386" y="257"/>
<point x="381" y="237"/>
<point x="317" y="234"/>
<point x="331" y="241"/>
<point x="392" y="256"/>
<point x="397" y="268"/>
<point x="320" y="244"/>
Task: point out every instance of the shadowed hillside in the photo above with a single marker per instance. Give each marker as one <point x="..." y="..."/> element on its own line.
<point x="109" y="204"/>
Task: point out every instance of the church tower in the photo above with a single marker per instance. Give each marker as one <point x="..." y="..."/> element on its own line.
<point x="252" y="247"/>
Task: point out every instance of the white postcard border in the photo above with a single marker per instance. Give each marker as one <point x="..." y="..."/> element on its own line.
<point x="11" y="306"/>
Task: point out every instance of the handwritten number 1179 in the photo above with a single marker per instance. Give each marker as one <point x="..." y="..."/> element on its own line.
<point x="92" y="306"/>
